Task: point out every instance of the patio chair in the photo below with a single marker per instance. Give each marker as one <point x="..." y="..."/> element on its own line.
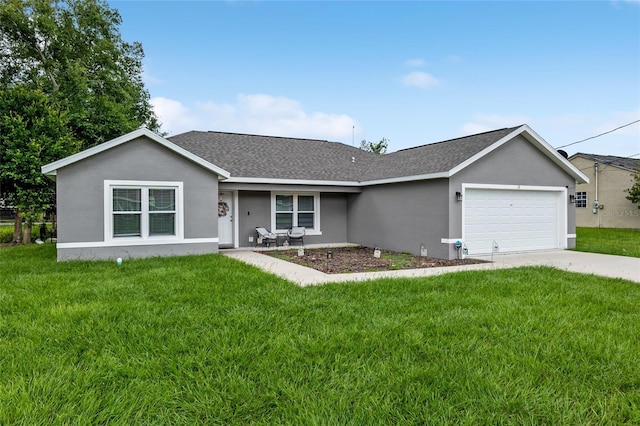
<point x="267" y="237"/>
<point x="296" y="233"/>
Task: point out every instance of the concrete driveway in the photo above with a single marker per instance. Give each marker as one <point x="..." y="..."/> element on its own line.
<point x="605" y="265"/>
<point x="589" y="263"/>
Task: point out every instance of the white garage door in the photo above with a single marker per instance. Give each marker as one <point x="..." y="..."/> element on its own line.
<point x="517" y="220"/>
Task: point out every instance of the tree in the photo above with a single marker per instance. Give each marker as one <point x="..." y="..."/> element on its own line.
<point x="33" y="132"/>
<point x="375" y="147"/>
<point x="67" y="61"/>
<point x="73" y="52"/>
<point x="634" y="191"/>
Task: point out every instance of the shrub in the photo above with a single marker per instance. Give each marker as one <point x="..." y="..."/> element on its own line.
<point x="6" y="234"/>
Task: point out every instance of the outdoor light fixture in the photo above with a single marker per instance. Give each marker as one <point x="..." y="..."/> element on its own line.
<point x="572" y="198"/>
<point x="458" y="196"/>
<point x="329" y="254"/>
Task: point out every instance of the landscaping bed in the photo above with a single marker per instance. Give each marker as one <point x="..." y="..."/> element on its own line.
<point x="361" y="259"/>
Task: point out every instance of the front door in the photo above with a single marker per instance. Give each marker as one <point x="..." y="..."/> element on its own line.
<point x="225" y="219"/>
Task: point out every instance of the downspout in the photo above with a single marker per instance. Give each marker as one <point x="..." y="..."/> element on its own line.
<point x="596" y="203"/>
<point x="595" y="166"/>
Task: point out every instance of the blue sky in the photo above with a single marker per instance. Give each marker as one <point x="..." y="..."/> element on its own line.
<point x="412" y="72"/>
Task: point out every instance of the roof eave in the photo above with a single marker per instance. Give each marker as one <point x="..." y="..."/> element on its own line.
<point x="319" y="182"/>
<point x="240" y="179"/>
<point x="400" y="179"/>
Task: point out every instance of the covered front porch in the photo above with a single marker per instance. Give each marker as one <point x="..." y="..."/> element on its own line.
<point x="322" y="211"/>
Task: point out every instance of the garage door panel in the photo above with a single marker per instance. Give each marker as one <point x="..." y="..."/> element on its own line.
<point x="517" y="220"/>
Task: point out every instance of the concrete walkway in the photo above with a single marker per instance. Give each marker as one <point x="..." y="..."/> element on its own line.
<point x="589" y="263"/>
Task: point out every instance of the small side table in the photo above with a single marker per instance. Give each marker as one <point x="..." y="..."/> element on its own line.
<point x="281" y="237"/>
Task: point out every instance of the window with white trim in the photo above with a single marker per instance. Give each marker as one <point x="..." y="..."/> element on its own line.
<point x="141" y="210"/>
<point x="581" y="199"/>
<point x="289" y="210"/>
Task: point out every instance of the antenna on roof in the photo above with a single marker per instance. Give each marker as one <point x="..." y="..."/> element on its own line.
<point x="353" y="135"/>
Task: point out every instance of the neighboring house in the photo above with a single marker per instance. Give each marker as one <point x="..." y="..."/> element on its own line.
<point x="144" y="195"/>
<point x="602" y="202"/>
<point x="7" y="211"/>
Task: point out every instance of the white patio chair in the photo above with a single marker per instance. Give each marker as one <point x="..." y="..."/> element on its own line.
<point x="296" y="233"/>
<point x="267" y="237"/>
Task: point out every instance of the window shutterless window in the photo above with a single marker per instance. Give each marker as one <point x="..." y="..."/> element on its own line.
<point x="141" y="210"/>
<point x="581" y="199"/>
<point x="162" y="211"/>
<point x="127" y="212"/>
<point x="291" y="210"/>
<point x="284" y="211"/>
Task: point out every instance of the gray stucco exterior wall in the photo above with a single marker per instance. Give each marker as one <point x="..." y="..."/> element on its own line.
<point x="515" y="163"/>
<point x="400" y="217"/>
<point x="333" y="214"/>
<point x="80" y="199"/>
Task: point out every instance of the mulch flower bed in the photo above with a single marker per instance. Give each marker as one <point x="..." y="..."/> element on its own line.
<point x="361" y="259"/>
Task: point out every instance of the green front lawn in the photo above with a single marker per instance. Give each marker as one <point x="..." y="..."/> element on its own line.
<point x="621" y="242"/>
<point x="206" y="339"/>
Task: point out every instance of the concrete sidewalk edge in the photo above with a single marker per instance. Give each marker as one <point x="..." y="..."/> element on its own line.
<point x="590" y="263"/>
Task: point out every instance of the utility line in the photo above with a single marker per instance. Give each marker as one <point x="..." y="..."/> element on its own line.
<point x="597" y="136"/>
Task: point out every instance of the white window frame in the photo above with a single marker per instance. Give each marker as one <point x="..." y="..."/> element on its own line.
<point x="580" y="199"/>
<point x="316" y="205"/>
<point x="144" y="186"/>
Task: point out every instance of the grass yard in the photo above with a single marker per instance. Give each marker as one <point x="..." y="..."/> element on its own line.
<point x="206" y="339"/>
<point x="621" y="242"/>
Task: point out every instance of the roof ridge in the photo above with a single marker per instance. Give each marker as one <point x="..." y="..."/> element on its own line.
<point x="274" y="137"/>
<point x="458" y="138"/>
<point x="605" y="155"/>
<point x="266" y="136"/>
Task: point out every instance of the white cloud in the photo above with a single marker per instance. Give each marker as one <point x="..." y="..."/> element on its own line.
<point x="416" y="63"/>
<point x="620" y="118"/>
<point x="150" y="80"/>
<point x="623" y="142"/>
<point x="487" y="122"/>
<point x="254" y="113"/>
<point x="420" y="79"/>
<point x="174" y="116"/>
<point x="572" y="127"/>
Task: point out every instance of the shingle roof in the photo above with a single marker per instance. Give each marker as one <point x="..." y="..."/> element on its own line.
<point x="624" y="162"/>
<point x="309" y="159"/>
<point x="277" y="157"/>
<point x="433" y="158"/>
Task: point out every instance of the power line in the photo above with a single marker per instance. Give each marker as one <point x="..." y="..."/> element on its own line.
<point x="597" y="136"/>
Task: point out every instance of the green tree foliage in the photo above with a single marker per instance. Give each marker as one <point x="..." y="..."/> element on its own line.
<point x="375" y="147"/>
<point x="73" y="51"/>
<point x="68" y="63"/>
<point x="634" y="191"/>
<point x="33" y="132"/>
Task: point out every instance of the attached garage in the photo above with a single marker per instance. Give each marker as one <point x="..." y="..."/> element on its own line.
<point x="513" y="218"/>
